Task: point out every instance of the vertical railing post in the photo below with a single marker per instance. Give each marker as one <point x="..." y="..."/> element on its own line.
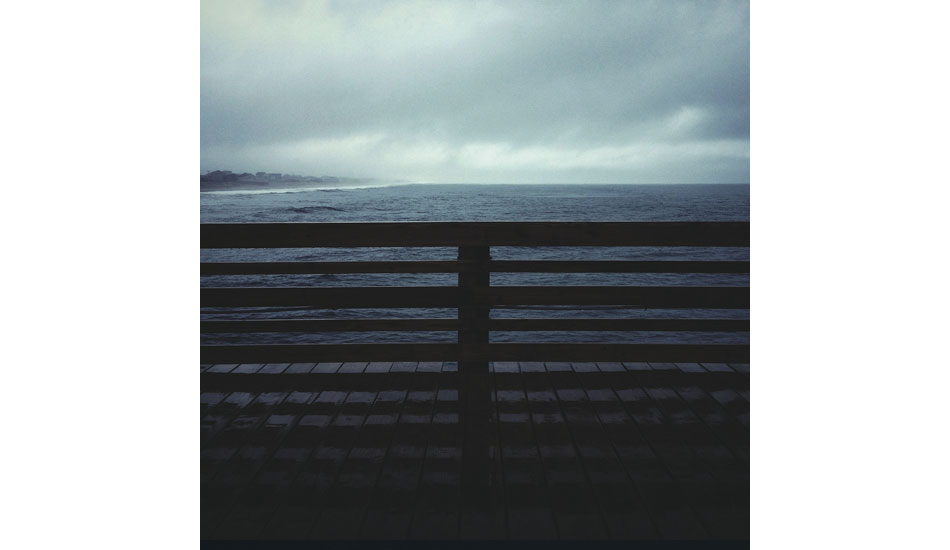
<point x="473" y="316"/>
<point x="474" y="386"/>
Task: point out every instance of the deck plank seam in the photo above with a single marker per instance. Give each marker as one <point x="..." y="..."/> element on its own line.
<point x="569" y="372"/>
<point x="710" y="469"/>
<point x="387" y="459"/>
<point x="676" y="481"/>
<point x="426" y="437"/>
<point x="355" y="438"/>
<point x="537" y="444"/>
<point x="239" y="491"/>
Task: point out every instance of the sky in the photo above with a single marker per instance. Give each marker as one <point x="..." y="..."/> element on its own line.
<point x="478" y="91"/>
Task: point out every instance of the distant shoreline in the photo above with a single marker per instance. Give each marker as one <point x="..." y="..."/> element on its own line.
<point x="245" y="185"/>
<point x="249" y="185"/>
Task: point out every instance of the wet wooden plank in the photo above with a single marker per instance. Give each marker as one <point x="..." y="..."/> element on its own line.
<point x="214" y="419"/>
<point x="381" y="428"/>
<point x="717" y="367"/>
<point x="734" y="403"/>
<point x="378" y="367"/>
<point x="530" y="366"/>
<point x="388" y="516"/>
<point x="646" y="448"/>
<point x="661" y="366"/>
<point x="326" y="368"/>
<point x="343" y="381"/>
<point x="651" y="458"/>
<point x="404" y="366"/>
<point x="262" y="495"/>
<point x="733" y="434"/>
<point x="581" y="512"/>
<point x="300" y="368"/>
<point x="514" y="351"/>
<point x="274" y="368"/>
<point x="437" y="503"/>
<point x="210" y="399"/>
<point x="230" y="477"/>
<point x="349" y="495"/>
<point x="557" y="366"/>
<point x="505" y="366"/>
<point x="622" y="500"/>
<point x="312" y="477"/>
<point x="222" y="368"/>
<point x="740" y="367"/>
<point x="562" y="472"/>
<point x="527" y="501"/>
<point x="711" y="479"/>
<point x="610" y="367"/>
<point x="636" y="365"/>
<point x="352" y="368"/>
<point x="429" y="366"/>
<point x="250" y="414"/>
<point x="585" y="367"/>
<point x="247" y="368"/>
<point x="691" y="367"/>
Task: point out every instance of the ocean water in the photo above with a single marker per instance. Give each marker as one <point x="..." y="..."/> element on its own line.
<point x="456" y="202"/>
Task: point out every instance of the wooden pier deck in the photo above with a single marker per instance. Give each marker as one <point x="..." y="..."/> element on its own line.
<point x="373" y="450"/>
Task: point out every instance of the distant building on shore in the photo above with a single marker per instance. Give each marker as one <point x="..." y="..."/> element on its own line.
<point x="220" y="176"/>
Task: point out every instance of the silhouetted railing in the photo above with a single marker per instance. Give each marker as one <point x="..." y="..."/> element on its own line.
<point x="474" y="296"/>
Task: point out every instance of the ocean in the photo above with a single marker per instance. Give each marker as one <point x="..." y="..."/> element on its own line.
<point x="468" y="202"/>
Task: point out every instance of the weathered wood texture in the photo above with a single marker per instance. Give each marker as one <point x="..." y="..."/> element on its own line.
<point x="589" y="451"/>
<point x="412" y="325"/>
<point x="345" y="381"/>
<point x="424" y="234"/>
<point x="449" y="266"/>
<point x="474" y="391"/>
<point x="287" y="353"/>
<point x="330" y="325"/>
<point x="422" y="296"/>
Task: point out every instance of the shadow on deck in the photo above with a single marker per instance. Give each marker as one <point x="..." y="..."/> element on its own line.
<point x="603" y="450"/>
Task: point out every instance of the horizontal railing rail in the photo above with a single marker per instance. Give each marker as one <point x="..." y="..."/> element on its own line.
<point x="453" y="234"/>
<point x="474" y="296"/>
<point x="725" y="297"/>
<point x="507" y="325"/>
<point x="449" y="266"/>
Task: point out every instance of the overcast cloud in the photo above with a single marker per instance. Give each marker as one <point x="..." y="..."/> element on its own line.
<point x="478" y="91"/>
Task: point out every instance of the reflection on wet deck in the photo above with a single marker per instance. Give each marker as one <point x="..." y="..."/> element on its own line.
<point x="572" y="451"/>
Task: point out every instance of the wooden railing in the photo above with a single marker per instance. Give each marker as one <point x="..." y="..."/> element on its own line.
<point x="474" y="296"/>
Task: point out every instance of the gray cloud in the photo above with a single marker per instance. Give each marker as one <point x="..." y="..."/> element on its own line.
<point x="478" y="91"/>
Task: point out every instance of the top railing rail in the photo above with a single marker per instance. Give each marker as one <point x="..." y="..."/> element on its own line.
<point x="452" y="234"/>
